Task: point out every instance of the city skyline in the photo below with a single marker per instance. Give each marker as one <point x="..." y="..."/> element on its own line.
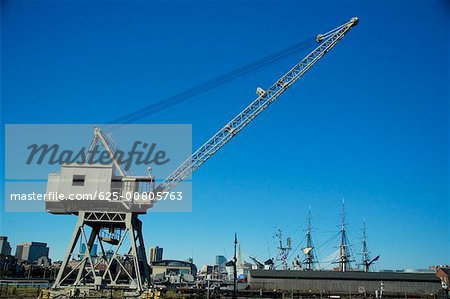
<point x="327" y="257"/>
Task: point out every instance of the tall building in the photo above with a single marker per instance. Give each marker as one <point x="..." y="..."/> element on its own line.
<point x="93" y="249"/>
<point x="19" y="250"/>
<point x="5" y="247"/>
<point x="31" y="251"/>
<point x="220" y="260"/>
<point x="156" y="254"/>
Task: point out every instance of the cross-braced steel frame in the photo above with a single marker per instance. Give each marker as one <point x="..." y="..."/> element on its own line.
<point x="129" y="271"/>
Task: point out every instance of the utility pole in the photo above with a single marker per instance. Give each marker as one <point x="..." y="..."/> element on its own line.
<point x="235" y="268"/>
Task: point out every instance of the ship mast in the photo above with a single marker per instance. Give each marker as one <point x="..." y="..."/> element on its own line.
<point x="308" y="250"/>
<point x="366" y="261"/>
<point x="344" y="261"/>
<point x="365" y="253"/>
<point x="283" y="251"/>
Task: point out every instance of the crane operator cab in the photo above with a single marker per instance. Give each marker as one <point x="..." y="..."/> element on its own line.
<point x="97" y="187"/>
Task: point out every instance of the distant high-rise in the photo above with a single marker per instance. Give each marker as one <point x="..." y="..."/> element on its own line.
<point x="156" y="254"/>
<point x="5" y="247"/>
<point x="19" y="250"/>
<point x="31" y="251"/>
<point x="221" y="260"/>
<point x="93" y="249"/>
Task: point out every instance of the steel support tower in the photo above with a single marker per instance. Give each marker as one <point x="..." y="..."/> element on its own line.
<point x="123" y="271"/>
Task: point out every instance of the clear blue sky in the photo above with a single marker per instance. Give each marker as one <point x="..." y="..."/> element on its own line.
<point x="369" y="123"/>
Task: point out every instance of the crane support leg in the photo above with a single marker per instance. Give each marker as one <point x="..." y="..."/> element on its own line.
<point x="124" y="266"/>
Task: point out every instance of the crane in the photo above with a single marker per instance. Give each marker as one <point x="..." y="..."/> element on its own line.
<point x="101" y="215"/>
<point x="265" y="98"/>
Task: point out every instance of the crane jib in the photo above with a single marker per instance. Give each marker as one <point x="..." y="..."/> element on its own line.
<point x="264" y="99"/>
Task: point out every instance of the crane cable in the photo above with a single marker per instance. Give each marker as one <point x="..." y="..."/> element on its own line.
<point x="207" y="86"/>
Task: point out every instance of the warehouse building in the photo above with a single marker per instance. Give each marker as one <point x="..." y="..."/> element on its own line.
<point x="330" y="282"/>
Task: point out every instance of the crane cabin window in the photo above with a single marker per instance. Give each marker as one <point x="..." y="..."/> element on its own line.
<point x="78" y="180"/>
